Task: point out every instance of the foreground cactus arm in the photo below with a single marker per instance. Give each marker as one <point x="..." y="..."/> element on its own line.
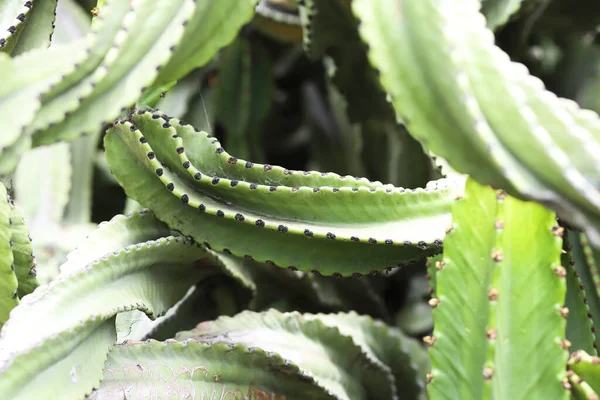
<point x="305" y="220"/>
<point x="532" y="144"/>
<point x="515" y="288"/>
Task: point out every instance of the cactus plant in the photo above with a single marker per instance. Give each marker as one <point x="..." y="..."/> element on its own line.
<point x="276" y="245"/>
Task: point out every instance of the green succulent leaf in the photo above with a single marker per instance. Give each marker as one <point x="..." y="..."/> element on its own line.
<point x="532" y="144"/>
<point x="499" y="290"/>
<point x="203" y="369"/>
<point x="323" y="345"/>
<point x="284" y="217"/>
<point x="70" y="314"/>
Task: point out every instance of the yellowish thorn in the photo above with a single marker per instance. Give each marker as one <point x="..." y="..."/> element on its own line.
<point x="492" y="294"/>
<point x="488" y="373"/>
<point x="434" y="302"/>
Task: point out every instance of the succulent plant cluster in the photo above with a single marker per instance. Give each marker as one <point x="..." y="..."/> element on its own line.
<point x="408" y="206"/>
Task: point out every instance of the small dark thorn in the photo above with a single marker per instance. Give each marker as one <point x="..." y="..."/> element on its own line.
<point x="282" y="228"/>
<point x="219" y="150"/>
<point x="239" y="217"/>
<point x="180" y="150"/>
<point x="159" y="172"/>
<point x="197" y="176"/>
<point x="253" y="186"/>
<point x="186" y="164"/>
<point x="315" y="190"/>
<point x="202" y="207"/>
<point x="272" y="188"/>
<point x="215" y="180"/>
<point x="267" y="167"/>
<point x="151" y="155"/>
<point x="232" y="160"/>
<point x="171" y="186"/>
<point x="388" y="241"/>
<point x="330" y="235"/>
<point x="233" y="183"/>
<point x="260" y="223"/>
<point x="220" y="213"/>
<point x="354" y="239"/>
<point x="249" y="164"/>
<point x="372" y="241"/>
<point x="185" y="199"/>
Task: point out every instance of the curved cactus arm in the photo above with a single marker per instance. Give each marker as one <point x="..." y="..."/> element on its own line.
<point x="150" y="276"/>
<point x="580" y="327"/>
<point x="478" y="345"/>
<point x="192" y="369"/>
<point x="498" y="12"/>
<point x="22" y="249"/>
<point x="25" y="25"/>
<point x="585" y="265"/>
<point x="532" y="144"/>
<point x="213" y="25"/>
<point x="8" y="282"/>
<point x="366" y="228"/>
<point x="323" y="351"/>
<point x="407" y="360"/>
<point x="587" y="367"/>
